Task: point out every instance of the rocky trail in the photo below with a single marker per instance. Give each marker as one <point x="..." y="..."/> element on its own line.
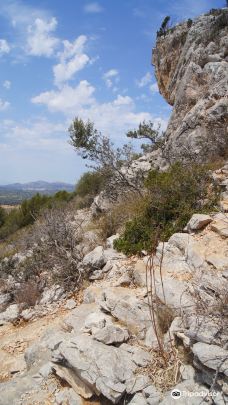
<point x="105" y="349"/>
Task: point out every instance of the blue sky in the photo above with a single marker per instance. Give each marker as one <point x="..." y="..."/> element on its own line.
<point x="61" y="59"/>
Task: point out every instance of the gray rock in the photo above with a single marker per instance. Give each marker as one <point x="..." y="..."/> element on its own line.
<point x="77" y="319"/>
<point x="79" y="386"/>
<point x="95" y="259"/>
<point x="11" y="314"/>
<point x="29" y="313"/>
<point x="5" y="298"/>
<point x="189" y="394"/>
<point x="124" y="280"/>
<point x="124" y="306"/>
<point x="95" y="320"/>
<point x="182" y="57"/>
<point x="220" y="225"/>
<point x="138" y="399"/>
<point x="198" y="221"/>
<point x="69" y="396"/>
<point x="211" y="356"/>
<point x="97" y="275"/>
<point x="152" y="395"/>
<point x="111" y="334"/>
<point x="105" y="369"/>
<point x="137" y="383"/>
<point x="51" y="294"/>
<point x="70" y="304"/>
<point x="110" y="240"/>
<point x="139" y="356"/>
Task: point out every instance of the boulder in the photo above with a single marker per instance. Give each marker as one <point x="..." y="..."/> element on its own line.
<point x="127" y="308"/>
<point x="220" y="225"/>
<point x="211" y="356"/>
<point x="51" y="294"/>
<point x="111" y="239"/>
<point x="95" y="259"/>
<point x="111" y="334"/>
<point x="198" y="221"/>
<point x="103" y="369"/>
<point x="11" y="314"/>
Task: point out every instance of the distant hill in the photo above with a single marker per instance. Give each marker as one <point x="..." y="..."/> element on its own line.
<point x="13" y="194"/>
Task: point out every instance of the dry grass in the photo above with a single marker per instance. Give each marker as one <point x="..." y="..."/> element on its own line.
<point x="28" y="294"/>
<point x="164" y="373"/>
<point x="114" y="220"/>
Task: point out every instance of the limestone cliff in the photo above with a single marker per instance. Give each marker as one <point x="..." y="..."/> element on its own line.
<point x="191" y="67"/>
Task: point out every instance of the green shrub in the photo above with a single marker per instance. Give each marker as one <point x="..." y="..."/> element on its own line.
<point x="2" y="216"/>
<point x="29" y="211"/>
<point x="90" y="183"/>
<point x="172" y="197"/>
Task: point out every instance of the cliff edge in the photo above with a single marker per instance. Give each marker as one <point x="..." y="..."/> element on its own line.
<point x="191" y="67"/>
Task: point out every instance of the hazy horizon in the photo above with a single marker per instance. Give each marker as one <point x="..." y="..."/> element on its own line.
<point x="91" y="59"/>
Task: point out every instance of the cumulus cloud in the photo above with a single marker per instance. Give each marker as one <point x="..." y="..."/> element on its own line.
<point x="113" y="118"/>
<point x="145" y="80"/>
<point x="68" y="99"/>
<point x="4" y="105"/>
<point x="111" y="77"/>
<point x="7" y="84"/>
<point x="38" y="133"/>
<point x="72" y="59"/>
<point x="40" y="41"/>
<point x="4" y="47"/>
<point x="93" y="8"/>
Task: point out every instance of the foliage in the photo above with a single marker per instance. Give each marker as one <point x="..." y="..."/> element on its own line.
<point x="164" y="27"/>
<point x="29" y="211"/>
<point x="172" y="197"/>
<point x="90" y="183"/>
<point x="146" y="130"/>
<point x="2" y="216"/>
<point x="189" y="23"/>
<point x="103" y="156"/>
<point x="112" y="221"/>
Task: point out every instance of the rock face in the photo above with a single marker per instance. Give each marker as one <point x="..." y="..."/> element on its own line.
<point x="191" y="66"/>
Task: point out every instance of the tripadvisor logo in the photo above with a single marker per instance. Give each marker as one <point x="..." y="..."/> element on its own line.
<point x="175" y="394"/>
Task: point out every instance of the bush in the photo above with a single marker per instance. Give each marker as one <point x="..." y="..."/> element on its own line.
<point x="30" y="210"/>
<point x="2" y="216"/>
<point x="90" y="184"/>
<point x="172" y="197"/>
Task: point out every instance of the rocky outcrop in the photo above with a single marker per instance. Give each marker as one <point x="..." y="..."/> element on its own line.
<point x="191" y="67"/>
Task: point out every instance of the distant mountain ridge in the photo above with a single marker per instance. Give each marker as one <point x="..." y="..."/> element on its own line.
<point x="14" y="194"/>
<point x="39" y="185"/>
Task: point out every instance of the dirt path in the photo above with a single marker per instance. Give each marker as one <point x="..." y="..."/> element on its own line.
<point x="14" y="340"/>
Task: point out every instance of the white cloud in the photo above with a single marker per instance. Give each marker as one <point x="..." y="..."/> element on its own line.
<point x="7" y="84"/>
<point x="111" y="77"/>
<point x="4" y="47"/>
<point x="40" y="41"/>
<point x="72" y="59"/>
<point x="145" y="80"/>
<point x="36" y="134"/>
<point x="114" y="118"/>
<point x="154" y="88"/>
<point x="67" y="100"/>
<point x="4" y="105"/>
<point x="93" y="8"/>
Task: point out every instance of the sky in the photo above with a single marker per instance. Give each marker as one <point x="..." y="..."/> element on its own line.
<point x="91" y="59"/>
